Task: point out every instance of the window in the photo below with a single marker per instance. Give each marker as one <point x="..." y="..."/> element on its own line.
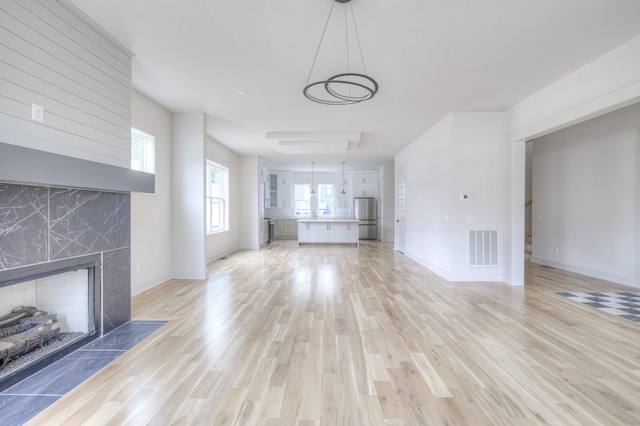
<point x="302" y="199"/>
<point x="325" y="199"/>
<point x="143" y="151"/>
<point x="303" y="202"/>
<point x="217" y="198"/>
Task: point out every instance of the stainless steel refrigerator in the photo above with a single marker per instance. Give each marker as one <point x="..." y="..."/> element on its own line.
<point x="365" y="210"/>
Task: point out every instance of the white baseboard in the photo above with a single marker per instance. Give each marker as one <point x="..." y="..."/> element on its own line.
<point x="460" y="276"/>
<point x="220" y="256"/>
<point x="137" y="288"/>
<point x="190" y="275"/>
<point x="631" y="282"/>
<point x="433" y="268"/>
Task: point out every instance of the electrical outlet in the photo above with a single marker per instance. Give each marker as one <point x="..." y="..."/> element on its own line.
<point x="37" y="113"/>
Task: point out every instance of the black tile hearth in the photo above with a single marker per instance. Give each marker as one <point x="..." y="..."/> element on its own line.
<point x="24" y="400"/>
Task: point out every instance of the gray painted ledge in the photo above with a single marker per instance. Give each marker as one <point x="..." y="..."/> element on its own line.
<point x="32" y="167"/>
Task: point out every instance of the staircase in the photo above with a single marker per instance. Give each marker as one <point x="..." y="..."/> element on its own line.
<point x="528" y="247"/>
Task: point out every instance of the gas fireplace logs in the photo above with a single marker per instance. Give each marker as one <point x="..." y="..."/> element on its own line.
<point x="25" y="329"/>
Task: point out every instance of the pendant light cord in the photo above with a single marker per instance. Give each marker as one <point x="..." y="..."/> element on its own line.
<point x="355" y="27"/>
<point x="321" y="40"/>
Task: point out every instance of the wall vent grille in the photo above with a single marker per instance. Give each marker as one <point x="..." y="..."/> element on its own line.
<point x="483" y="247"/>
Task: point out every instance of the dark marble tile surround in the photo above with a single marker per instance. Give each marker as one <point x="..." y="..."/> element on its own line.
<point x="41" y="224"/>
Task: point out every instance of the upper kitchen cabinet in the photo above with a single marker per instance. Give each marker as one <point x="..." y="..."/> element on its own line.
<point x="365" y="183"/>
<point x="273" y="190"/>
<point x="265" y="194"/>
<point x="344" y="201"/>
<point x="280" y="187"/>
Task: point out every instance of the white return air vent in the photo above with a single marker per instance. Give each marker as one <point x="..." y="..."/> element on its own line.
<point x="483" y="247"/>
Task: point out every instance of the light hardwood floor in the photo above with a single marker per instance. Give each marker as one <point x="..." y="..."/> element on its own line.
<point x="339" y="335"/>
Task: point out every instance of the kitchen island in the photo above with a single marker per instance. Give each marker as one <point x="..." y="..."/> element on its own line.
<point x="328" y="231"/>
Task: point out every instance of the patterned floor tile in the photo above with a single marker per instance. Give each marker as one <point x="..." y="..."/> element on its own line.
<point x="624" y="305"/>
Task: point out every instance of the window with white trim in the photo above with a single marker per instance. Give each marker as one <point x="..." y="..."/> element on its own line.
<point x="143" y="151"/>
<point x="302" y="199"/>
<point x="303" y="202"/>
<point x="325" y="199"/>
<point x="217" y="198"/>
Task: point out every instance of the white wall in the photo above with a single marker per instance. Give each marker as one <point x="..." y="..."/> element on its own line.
<point x="223" y="243"/>
<point x="188" y="192"/>
<point x="427" y="162"/>
<point x="250" y="214"/>
<point x="478" y="138"/>
<point x="459" y="155"/>
<point x="586" y="197"/>
<point x="151" y="261"/>
<point x="387" y="196"/>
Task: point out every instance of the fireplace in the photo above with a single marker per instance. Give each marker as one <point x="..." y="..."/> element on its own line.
<point x="65" y="251"/>
<point x="70" y="290"/>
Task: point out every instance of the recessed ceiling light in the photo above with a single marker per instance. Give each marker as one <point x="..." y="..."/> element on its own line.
<point x="241" y="92"/>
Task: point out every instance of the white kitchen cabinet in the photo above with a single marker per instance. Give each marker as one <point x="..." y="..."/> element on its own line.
<point x="273" y="190"/>
<point x="284" y="196"/>
<point x="318" y="231"/>
<point x="280" y="185"/>
<point x="365" y="184"/>
<point x="343" y="232"/>
<point x="314" y="233"/>
<point x="344" y="202"/>
<point x="365" y="177"/>
<point x="304" y="233"/>
<point x="265" y="196"/>
<point x="291" y="228"/>
<point x="287" y="228"/>
<point x="280" y="228"/>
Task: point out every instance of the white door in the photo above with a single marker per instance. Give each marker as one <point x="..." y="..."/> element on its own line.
<point x="401" y="208"/>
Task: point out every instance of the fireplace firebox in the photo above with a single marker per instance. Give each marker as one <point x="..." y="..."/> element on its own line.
<point x="68" y="289"/>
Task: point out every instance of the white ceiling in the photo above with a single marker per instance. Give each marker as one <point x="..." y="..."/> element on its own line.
<point x="430" y="57"/>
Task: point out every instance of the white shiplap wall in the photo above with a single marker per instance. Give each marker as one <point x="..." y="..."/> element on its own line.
<point x="54" y="56"/>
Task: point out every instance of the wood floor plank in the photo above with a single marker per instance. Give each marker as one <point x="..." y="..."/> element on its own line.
<point x="333" y="335"/>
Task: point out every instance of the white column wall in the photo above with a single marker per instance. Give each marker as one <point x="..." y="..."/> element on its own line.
<point x="188" y="192"/>
<point x="151" y="256"/>
<point x="387" y="198"/>
<point x="458" y="156"/>
<point x="249" y="211"/>
<point x="478" y="138"/>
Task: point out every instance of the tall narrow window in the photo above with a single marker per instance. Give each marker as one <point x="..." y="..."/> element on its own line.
<point x="302" y="199"/>
<point x="143" y="151"/>
<point x="217" y="198"/>
<point x="325" y="199"/>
